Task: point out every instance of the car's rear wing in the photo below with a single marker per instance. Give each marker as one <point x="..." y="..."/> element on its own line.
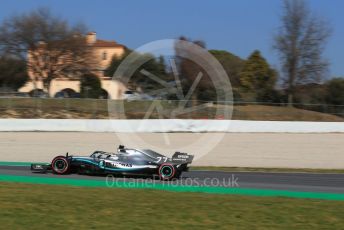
<point x="182" y="158"/>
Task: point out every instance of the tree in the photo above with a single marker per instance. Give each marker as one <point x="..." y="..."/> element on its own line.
<point x="312" y="93"/>
<point x="335" y="91"/>
<point x="90" y="86"/>
<point x="231" y="63"/>
<point x="139" y="80"/>
<point x="257" y="78"/>
<point x="192" y="74"/>
<point x="51" y="47"/>
<point x="13" y="73"/>
<point x="300" y="44"/>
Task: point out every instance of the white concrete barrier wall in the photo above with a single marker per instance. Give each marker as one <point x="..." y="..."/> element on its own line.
<point x="170" y="125"/>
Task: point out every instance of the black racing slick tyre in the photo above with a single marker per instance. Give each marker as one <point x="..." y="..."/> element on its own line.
<point x="167" y="171"/>
<point x="60" y="165"/>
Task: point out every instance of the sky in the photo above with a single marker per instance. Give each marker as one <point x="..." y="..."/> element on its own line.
<point x="238" y="26"/>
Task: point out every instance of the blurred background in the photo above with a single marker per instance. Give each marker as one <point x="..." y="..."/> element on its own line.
<point x="283" y="58"/>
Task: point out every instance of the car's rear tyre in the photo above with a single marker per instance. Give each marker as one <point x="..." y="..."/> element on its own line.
<point x="167" y="172"/>
<point x="60" y="165"/>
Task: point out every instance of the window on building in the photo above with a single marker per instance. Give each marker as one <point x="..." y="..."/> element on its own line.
<point x="104" y="55"/>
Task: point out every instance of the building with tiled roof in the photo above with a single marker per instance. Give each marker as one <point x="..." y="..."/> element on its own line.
<point x="102" y="53"/>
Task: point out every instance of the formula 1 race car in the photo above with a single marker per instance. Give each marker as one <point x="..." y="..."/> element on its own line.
<point x="125" y="161"/>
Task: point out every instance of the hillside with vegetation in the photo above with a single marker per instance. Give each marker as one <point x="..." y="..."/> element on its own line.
<point x="99" y="109"/>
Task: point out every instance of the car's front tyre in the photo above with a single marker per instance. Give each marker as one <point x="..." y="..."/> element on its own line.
<point x="60" y="165"/>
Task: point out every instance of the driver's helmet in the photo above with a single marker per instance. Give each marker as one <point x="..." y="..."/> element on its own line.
<point x="121" y="149"/>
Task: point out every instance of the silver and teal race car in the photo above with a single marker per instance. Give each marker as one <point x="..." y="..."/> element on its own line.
<point x="125" y="161"/>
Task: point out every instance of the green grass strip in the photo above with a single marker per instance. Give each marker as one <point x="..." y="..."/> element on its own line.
<point x="7" y="163"/>
<point x="171" y="187"/>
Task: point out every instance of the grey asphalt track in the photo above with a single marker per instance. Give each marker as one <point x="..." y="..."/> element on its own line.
<point x="305" y="182"/>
